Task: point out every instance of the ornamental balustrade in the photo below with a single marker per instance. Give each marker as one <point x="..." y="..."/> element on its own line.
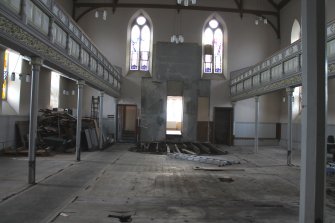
<point x="281" y="70"/>
<point x="41" y="28"/>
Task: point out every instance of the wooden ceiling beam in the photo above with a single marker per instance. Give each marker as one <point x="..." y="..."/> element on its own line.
<point x="176" y="7"/>
<point x="240" y="9"/>
<point x="283" y="3"/>
<point x="275" y="5"/>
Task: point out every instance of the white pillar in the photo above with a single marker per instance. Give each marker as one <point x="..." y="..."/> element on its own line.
<point x="100" y="118"/>
<point x="36" y="64"/>
<point x="314" y="82"/>
<point x="80" y="85"/>
<point x="289" y="92"/>
<point x="2" y="58"/>
<point x="256" y="123"/>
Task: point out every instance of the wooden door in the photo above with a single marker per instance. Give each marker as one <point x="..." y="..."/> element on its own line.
<point x="223" y="125"/>
<point x="127" y="123"/>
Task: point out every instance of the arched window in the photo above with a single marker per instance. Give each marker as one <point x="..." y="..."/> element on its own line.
<point x="5" y="77"/>
<point x="213" y="47"/>
<point x="296" y="31"/>
<point x="140" y="44"/>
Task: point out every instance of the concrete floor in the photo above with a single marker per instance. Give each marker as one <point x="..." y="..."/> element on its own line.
<point x="106" y="186"/>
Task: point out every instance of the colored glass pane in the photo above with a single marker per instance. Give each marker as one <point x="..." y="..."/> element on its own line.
<point x="5" y="77"/>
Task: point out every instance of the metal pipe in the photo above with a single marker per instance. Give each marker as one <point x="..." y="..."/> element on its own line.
<point x="80" y="85"/>
<point x="256" y="123"/>
<point x="100" y="118"/>
<point x="36" y="63"/>
<point x="289" y="92"/>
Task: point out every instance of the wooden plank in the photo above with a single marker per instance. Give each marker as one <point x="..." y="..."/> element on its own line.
<point x="218" y="169"/>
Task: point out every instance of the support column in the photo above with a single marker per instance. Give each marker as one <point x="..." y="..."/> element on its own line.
<point x="36" y="64"/>
<point x="314" y="82"/>
<point x="289" y="92"/>
<point x="233" y="105"/>
<point x="2" y="66"/>
<point x="80" y="85"/>
<point x="256" y="123"/>
<point x="100" y="118"/>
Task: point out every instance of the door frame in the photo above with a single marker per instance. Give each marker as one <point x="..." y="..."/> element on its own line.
<point x="231" y="124"/>
<point x="118" y="117"/>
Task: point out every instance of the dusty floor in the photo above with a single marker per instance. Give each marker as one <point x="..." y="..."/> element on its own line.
<point x="116" y="185"/>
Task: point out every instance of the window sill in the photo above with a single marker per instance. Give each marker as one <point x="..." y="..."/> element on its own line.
<point x="136" y="73"/>
<point x="213" y="76"/>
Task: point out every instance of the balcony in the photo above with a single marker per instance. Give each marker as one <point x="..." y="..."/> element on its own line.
<point x="281" y="70"/>
<point x="41" y="28"/>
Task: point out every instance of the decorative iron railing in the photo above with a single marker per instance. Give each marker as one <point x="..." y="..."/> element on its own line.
<point x="42" y="28"/>
<point x="281" y="70"/>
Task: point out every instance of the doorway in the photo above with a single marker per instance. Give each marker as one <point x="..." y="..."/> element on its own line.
<point x="223" y="125"/>
<point x="127" y="123"/>
<point x="174" y="115"/>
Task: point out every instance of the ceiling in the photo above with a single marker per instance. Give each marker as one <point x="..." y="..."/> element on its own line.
<point x="269" y="9"/>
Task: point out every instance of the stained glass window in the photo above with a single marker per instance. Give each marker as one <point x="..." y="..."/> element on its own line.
<point x="140" y="40"/>
<point x="213" y="48"/>
<point x="5" y="78"/>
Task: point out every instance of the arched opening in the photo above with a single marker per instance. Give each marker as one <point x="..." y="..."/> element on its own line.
<point x="214" y="46"/>
<point x="296" y="31"/>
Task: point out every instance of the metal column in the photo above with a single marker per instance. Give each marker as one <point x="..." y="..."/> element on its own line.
<point x="36" y="63"/>
<point x="2" y="59"/>
<point x="256" y="123"/>
<point x="100" y="118"/>
<point x="289" y="92"/>
<point x="79" y="117"/>
<point x="314" y="82"/>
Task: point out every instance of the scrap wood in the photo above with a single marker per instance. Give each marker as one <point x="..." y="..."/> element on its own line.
<point x="24" y="152"/>
<point x="188" y="152"/>
<point x="176" y="147"/>
<point x="217" y="169"/>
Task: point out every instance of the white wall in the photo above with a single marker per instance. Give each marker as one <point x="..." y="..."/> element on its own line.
<point x="7" y="122"/>
<point x="292" y="11"/>
<point x="247" y="43"/>
<point x="67" y="5"/>
<point x="109" y="107"/>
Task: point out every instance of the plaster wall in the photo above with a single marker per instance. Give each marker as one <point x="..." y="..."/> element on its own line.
<point x="70" y="100"/>
<point x="43" y="91"/>
<point x="7" y="122"/>
<point x="247" y="43"/>
<point x="291" y="12"/>
<point x="67" y="5"/>
<point x="109" y="102"/>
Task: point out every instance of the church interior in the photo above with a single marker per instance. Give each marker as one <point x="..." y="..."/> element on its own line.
<point x="167" y="111"/>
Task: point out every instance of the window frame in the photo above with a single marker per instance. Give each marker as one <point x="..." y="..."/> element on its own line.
<point x="222" y="26"/>
<point x="5" y="80"/>
<point x="132" y="23"/>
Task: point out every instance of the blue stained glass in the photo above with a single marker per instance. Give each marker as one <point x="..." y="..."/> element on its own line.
<point x="140" y="45"/>
<point x="213" y="35"/>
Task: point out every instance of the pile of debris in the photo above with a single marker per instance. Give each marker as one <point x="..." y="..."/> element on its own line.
<point x="191" y="151"/>
<point x="191" y="148"/>
<point x="56" y="131"/>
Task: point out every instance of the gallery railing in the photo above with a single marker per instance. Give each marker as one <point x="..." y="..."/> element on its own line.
<point x="42" y="28"/>
<point x="281" y="70"/>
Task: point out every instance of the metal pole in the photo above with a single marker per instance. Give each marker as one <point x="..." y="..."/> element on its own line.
<point x="289" y="92"/>
<point x="79" y="117"/>
<point x="100" y="118"/>
<point x="36" y="63"/>
<point x="314" y="82"/>
<point x="256" y="123"/>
